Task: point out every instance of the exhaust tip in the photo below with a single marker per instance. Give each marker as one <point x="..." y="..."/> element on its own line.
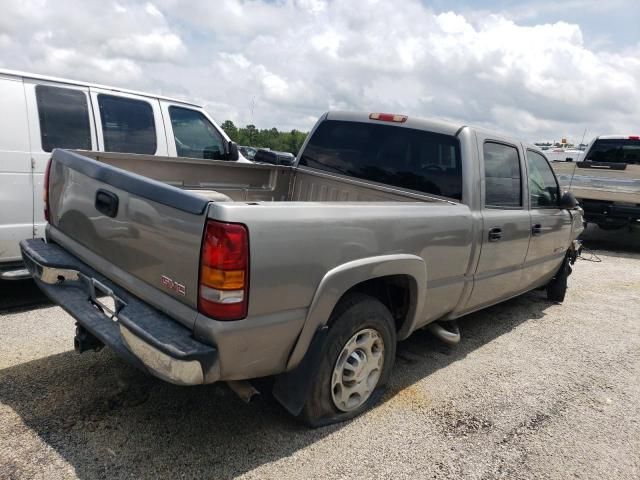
<point x="449" y="335"/>
<point x="243" y="389"/>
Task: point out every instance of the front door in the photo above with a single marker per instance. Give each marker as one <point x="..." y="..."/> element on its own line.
<point x="506" y="224"/>
<point x="550" y="225"/>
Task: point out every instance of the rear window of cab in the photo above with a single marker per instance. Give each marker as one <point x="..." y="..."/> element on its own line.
<point x="402" y="157"/>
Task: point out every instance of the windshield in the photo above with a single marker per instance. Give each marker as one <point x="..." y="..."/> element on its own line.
<point x="621" y="150"/>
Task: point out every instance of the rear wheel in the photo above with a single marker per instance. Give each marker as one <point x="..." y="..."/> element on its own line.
<point x="356" y="362"/>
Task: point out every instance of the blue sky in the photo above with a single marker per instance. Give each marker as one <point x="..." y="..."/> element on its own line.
<point x="605" y="24"/>
<point x="539" y="69"/>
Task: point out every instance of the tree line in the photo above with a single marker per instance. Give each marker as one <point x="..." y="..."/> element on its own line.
<point x="265" y="138"/>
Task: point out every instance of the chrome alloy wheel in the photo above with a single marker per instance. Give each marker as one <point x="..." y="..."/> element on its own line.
<point x="357" y="370"/>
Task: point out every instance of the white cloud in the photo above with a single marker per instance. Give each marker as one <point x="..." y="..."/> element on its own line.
<point x="5" y="40"/>
<point x="289" y="61"/>
<point x="149" y="46"/>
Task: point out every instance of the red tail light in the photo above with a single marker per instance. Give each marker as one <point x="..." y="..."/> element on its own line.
<point x="45" y="191"/>
<point x="224" y="271"/>
<point x="634" y="137"/>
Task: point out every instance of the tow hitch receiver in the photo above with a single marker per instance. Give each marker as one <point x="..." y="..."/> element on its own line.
<point x="85" y="341"/>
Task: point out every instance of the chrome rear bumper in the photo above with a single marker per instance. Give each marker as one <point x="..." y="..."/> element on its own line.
<point x="142" y="335"/>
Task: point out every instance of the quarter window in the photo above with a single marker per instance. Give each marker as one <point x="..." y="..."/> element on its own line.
<point x="503" y="180"/>
<point x="543" y="187"/>
<point x="64" y="118"/>
<point x="127" y="125"/>
<point x="195" y="136"/>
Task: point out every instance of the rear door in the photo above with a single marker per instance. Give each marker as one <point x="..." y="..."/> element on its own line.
<point x="59" y="117"/>
<point x="505" y="220"/>
<point x="550" y="225"/>
<point x="128" y="123"/>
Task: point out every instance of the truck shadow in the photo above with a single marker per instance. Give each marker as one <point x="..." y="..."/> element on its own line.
<point x="108" y="420"/>
<point x="21" y="295"/>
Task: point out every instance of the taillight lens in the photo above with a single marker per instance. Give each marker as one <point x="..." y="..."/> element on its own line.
<point x="224" y="271"/>
<point x="45" y="190"/>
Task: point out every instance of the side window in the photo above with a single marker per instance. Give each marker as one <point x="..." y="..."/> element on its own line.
<point x="503" y="185"/>
<point x="195" y="136"/>
<point x="543" y="186"/>
<point x="127" y="125"/>
<point x="64" y="118"/>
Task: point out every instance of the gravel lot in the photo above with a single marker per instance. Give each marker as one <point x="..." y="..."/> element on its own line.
<point x="534" y="390"/>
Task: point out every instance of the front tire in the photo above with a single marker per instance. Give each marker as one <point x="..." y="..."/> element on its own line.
<point x="355" y="364"/>
<point x="557" y="287"/>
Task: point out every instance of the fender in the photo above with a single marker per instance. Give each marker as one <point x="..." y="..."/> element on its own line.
<point x="340" y="279"/>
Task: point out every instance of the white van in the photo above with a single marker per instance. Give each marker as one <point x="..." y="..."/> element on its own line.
<point x="40" y="113"/>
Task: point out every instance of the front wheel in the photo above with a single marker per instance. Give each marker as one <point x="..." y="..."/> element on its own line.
<point x="557" y="287"/>
<point x="356" y="361"/>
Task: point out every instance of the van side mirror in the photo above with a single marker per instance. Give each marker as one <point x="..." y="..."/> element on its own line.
<point x="568" y="201"/>
<point x="233" y="151"/>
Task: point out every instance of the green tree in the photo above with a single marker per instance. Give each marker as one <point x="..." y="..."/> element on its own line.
<point x="265" y="138"/>
<point x="230" y="129"/>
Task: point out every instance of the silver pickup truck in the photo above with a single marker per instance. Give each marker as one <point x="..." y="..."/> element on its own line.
<point x="198" y="271"/>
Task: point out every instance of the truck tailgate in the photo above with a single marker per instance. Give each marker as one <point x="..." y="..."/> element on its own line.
<point x="595" y="181"/>
<point x="147" y="229"/>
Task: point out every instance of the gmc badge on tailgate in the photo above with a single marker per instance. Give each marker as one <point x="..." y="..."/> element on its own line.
<point x="171" y="285"/>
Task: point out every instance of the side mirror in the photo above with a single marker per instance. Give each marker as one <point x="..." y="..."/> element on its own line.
<point x="233" y="151"/>
<point x="568" y="201"/>
<point x="568" y="159"/>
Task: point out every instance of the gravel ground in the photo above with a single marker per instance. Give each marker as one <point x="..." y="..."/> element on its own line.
<point x="534" y="390"/>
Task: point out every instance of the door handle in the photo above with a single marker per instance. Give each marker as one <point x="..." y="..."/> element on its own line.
<point x="107" y="203"/>
<point x="495" y="234"/>
<point x="536" y="229"/>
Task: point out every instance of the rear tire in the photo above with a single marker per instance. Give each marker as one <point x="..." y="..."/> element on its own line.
<point x="355" y="364"/>
<point x="557" y="287"/>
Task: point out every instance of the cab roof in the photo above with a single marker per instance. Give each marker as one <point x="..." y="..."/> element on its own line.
<point x="436" y="126"/>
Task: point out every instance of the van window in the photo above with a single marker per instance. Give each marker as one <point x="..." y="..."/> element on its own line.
<point x="195" y="136"/>
<point x="64" y="118"/>
<point x="543" y="187"/>
<point x="127" y="125"/>
<point x="623" y="150"/>
<point x="403" y="157"/>
<point x="502" y="176"/>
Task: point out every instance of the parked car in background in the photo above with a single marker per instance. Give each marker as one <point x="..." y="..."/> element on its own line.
<point x="41" y="113"/>
<point x="606" y="180"/>
<point x="248" y="152"/>
<point x="563" y="154"/>
<point x="273" y="157"/>
<point x="309" y="273"/>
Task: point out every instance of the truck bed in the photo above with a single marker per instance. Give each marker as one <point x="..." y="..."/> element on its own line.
<point x="163" y="204"/>
<point x="253" y="182"/>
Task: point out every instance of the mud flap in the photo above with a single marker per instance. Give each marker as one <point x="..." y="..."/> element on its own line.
<point x="291" y="388"/>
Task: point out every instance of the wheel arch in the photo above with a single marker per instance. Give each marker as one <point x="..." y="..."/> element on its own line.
<point x="367" y="275"/>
